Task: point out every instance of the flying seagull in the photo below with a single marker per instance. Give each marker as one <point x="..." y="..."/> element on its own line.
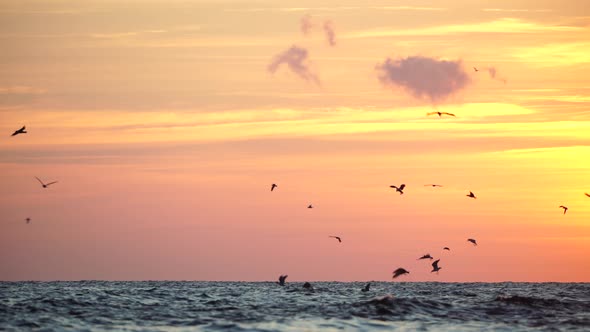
<point x="472" y="241"/>
<point x="282" y="280"/>
<point x="564" y="208"/>
<point x="337" y="238"/>
<point x="432" y="185"/>
<point x="447" y="248"/>
<point x="399" y="189"/>
<point x="45" y="185"/>
<point x="399" y="272"/>
<point x="427" y="256"/>
<point x="20" y="131"/>
<point x="273" y="187"/>
<point x="366" y="289"/>
<point x="435" y="267"/>
<point x="471" y="195"/>
<point x="440" y="114"/>
<point x="28" y="220"/>
<point x="310" y="206"/>
<point x="476" y="70"/>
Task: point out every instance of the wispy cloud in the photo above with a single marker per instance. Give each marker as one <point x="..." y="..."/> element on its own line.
<point x="504" y="25"/>
<point x="509" y="10"/>
<point x="306" y="25"/>
<point x="21" y="90"/>
<point x="423" y="77"/>
<point x="297" y="59"/>
<point x="330" y="32"/>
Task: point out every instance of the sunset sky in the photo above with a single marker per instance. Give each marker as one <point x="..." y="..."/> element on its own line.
<point x="165" y="123"/>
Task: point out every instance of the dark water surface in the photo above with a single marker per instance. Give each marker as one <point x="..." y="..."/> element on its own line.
<point x="265" y="306"/>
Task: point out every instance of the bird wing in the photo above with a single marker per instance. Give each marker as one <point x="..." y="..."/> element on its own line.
<point x="22" y="129"/>
<point x="394" y="187"/>
<point x="435" y="264"/>
<point x="451" y="114"/>
<point x="402" y="187"/>
<point x="587" y="194"/>
<point x="50" y="183"/>
<point x="39" y="180"/>
<point x="431" y="113"/>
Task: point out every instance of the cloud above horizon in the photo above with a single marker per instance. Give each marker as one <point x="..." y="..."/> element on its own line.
<point x="297" y="59"/>
<point x="330" y="32"/>
<point x="424" y="78"/>
<point x="306" y="25"/>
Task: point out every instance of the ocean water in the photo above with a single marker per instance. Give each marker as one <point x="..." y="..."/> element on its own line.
<point x="266" y="306"/>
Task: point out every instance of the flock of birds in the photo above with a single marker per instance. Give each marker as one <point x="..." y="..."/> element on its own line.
<point x="398" y="189"/>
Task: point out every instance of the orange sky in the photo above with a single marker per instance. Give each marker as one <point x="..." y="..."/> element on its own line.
<point x="165" y="123"/>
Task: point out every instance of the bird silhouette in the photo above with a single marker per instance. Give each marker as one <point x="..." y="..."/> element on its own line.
<point x="472" y="241"/>
<point x="337" y="238"/>
<point x="447" y="248"/>
<point x="310" y="206"/>
<point x="440" y="114"/>
<point x="432" y="185"/>
<point x="273" y="187"/>
<point x="28" y="220"/>
<point x="399" y="189"/>
<point x="564" y="208"/>
<point x="587" y="194"/>
<point x="471" y="195"/>
<point x="20" y="131"/>
<point x="308" y="286"/>
<point x="367" y="287"/>
<point x="400" y="271"/>
<point x="282" y="280"/>
<point x="427" y="256"/>
<point x="435" y="267"/>
<point x="45" y="185"/>
<point x="476" y="70"/>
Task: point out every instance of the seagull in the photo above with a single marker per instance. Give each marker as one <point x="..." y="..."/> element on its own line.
<point x="399" y="272"/>
<point x="399" y="189"/>
<point x="282" y="280"/>
<point x="337" y="238"/>
<point x="564" y="208"/>
<point x="20" y="131"/>
<point x="28" y="220"/>
<point x="432" y="185"/>
<point x="307" y="286"/>
<point x="435" y="267"/>
<point x="440" y="114"/>
<point x="366" y="289"/>
<point x="310" y="206"/>
<point x="427" y="256"/>
<point x="472" y="241"/>
<point x="45" y="185"/>
<point x="447" y="248"/>
<point x="476" y="70"/>
<point x="273" y="187"/>
<point x="471" y="195"/>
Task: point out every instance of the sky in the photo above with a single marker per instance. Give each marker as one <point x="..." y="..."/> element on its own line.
<point x="166" y="122"/>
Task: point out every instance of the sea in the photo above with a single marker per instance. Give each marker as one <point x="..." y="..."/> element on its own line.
<point x="267" y="306"/>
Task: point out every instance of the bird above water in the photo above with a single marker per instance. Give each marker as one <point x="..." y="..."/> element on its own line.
<point x="472" y="241"/>
<point x="432" y="185"/>
<point x="282" y="280"/>
<point x="337" y="238"/>
<point x="399" y="189"/>
<point x="273" y="187"/>
<point x="435" y="267"/>
<point x="367" y="287"/>
<point x="45" y="185"/>
<point x="447" y="248"/>
<point x="427" y="256"/>
<point x="400" y="271"/>
<point x="440" y="114"/>
<point x="20" y="131"/>
<point x="471" y="195"/>
<point x="564" y="208"/>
